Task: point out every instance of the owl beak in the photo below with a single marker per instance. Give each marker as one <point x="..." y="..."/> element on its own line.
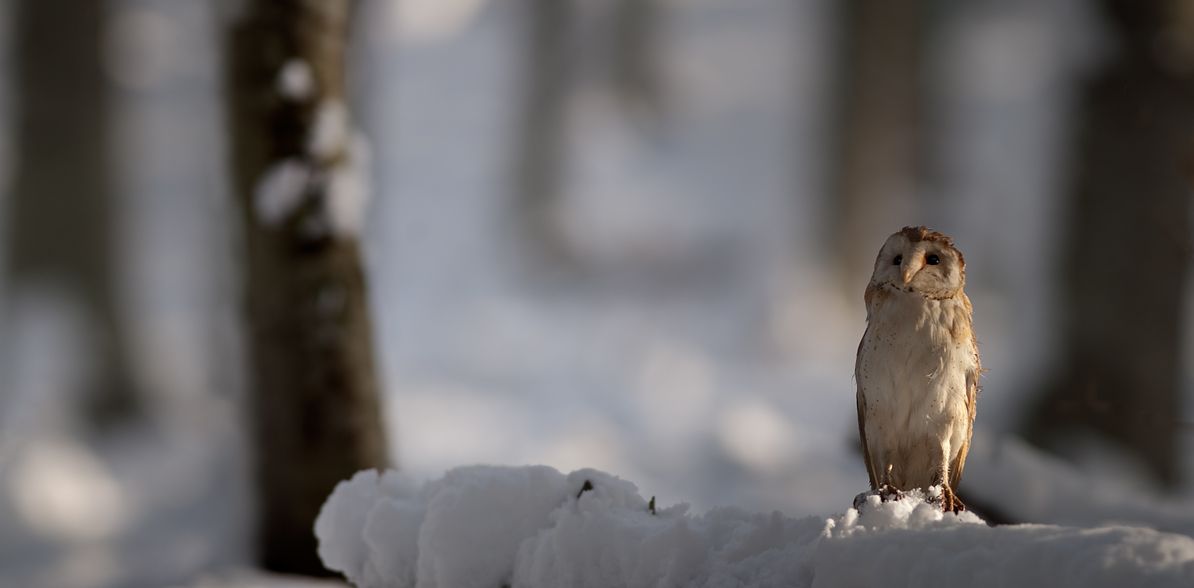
<point x="910" y="268"/>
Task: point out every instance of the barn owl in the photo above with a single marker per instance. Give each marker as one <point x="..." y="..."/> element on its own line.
<point x="917" y="368"/>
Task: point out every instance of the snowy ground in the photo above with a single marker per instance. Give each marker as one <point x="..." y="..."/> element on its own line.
<point x="536" y="527"/>
<point x="706" y="354"/>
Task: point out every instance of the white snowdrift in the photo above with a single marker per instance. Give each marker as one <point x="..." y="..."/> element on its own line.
<point x="489" y="526"/>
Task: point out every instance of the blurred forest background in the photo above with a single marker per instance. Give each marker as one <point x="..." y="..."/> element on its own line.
<point x="250" y="246"/>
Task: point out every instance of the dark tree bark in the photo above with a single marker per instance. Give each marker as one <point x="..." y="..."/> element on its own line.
<point x="1128" y="247"/>
<point x="880" y="143"/>
<point x="314" y="392"/>
<point x="61" y="217"/>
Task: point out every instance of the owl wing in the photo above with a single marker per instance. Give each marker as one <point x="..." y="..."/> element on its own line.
<point x="866" y="452"/>
<point x="861" y="400"/>
<point x="972" y="375"/>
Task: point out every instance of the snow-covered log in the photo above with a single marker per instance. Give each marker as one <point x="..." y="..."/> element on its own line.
<point x="489" y="526"/>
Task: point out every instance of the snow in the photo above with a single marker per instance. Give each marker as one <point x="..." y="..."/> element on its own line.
<point x="67" y="494"/>
<point x="248" y="578"/>
<point x="1047" y="488"/>
<point x="280" y="191"/>
<point x="533" y="526"/>
<point x="341" y="162"/>
<point x="296" y="81"/>
<point x="330" y="130"/>
<point x="350" y="188"/>
<point x="358" y="531"/>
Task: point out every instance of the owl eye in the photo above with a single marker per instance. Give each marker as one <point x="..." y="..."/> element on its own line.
<point x="932" y="259"/>
<point x="898" y="260"/>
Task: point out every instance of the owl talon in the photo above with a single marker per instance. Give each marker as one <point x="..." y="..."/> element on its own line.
<point x="950" y="501"/>
<point x="887" y="493"/>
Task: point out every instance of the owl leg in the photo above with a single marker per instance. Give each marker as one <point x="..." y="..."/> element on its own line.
<point x="887" y="490"/>
<point x="949" y="500"/>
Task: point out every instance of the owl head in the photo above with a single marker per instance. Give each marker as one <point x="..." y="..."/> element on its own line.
<point x="922" y="261"/>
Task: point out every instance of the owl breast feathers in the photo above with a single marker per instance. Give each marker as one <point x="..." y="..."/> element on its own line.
<point x="917" y="367"/>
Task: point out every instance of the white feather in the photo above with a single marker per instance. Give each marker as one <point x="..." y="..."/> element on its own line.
<point x="914" y="379"/>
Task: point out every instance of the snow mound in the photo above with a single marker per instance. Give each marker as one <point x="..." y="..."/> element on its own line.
<point x="490" y="526"/>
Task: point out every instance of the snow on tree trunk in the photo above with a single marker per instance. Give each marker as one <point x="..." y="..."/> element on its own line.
<point x="300" y="172"/>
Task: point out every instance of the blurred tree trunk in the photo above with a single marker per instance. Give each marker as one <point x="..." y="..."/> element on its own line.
<point x="314" y="393"/>
<point x="1129" y="245"/>
<point x="566" y="41"/>
<point x="538" y="173"/>
<point x="636" y="66"/>
<point x="62" y="209"/>
<point x="879" y="150"/>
